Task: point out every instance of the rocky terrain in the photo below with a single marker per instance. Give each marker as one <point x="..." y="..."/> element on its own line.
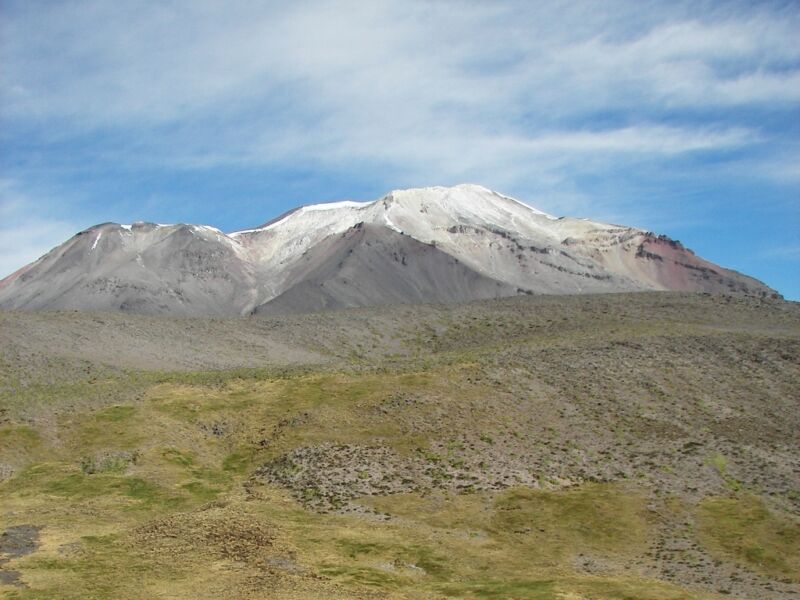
<point x="418" y="245"/>
<point x="599" y="446"/>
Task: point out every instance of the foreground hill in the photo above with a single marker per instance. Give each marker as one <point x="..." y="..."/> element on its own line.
<point x="606" y="447"/>
<point x="418" y="245"/>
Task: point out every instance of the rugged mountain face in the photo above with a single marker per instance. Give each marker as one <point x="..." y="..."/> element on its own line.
<point x="418" y="245"/>
<point x="143" y="268"/>
<point x="368" y="265"/>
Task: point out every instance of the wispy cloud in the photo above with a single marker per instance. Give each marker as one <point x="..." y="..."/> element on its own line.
<point x="786" y="252"/>
<point x="398" y="82"/>
<point x="572" y="105"/>
<point x="27" y="228"/>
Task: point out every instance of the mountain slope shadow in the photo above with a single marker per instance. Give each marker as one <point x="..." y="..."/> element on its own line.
<point x="371" y="265"/>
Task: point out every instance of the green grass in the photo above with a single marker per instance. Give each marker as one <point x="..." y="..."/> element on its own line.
<point x="19" y="442"/>
<point x="354" y="549"/>
<point x="746" y="530"/>
<point x="719" y="462"/>
<point x="115" y="414"/>
<point x="176" y="457"/>
<point x="95" y="572"/>
<point x="236" y="462"/>
<point x="18" y="435"/>
<point x="511" y="590"/>
<point x="593" y="517"/>
<point x="202" y="491"/>
<point x="78" y="486"/>
<point x="366" y="576"/>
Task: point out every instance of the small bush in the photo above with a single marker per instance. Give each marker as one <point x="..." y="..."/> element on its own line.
<point x="108" y="462"/>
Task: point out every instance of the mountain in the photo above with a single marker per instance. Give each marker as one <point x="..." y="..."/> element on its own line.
<point x="419" y="245"/>
<point x="369" y="265"/>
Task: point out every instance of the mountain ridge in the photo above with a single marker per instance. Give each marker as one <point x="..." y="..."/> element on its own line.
<point x="187" y="269"/>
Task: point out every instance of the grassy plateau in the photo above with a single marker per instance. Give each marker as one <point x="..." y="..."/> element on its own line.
<point x="626" y="447"/>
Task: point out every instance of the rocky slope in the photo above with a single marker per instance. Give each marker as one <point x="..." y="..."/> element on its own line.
<point x="603" y="446"/>
<point x="418" y="245"/>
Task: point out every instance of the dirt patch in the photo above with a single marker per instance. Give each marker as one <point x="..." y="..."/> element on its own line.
<point x="15" y="542"/>
<point x="6" y="471"/>
<point x="328" y="477"/>
<point x="214" y="532"/>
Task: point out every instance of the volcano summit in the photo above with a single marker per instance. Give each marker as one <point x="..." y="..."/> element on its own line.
<point x="433" y="244"/>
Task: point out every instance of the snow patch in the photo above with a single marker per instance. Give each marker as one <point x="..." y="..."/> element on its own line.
<point x="390" y="224"/>
<point x="335" y="205"/>
<point x="234" y="234"/>
<point x="528" y="206"/>
<point x="129" y="226"/>
<point x="208" y="228"/>
<point x="327" y="206"/>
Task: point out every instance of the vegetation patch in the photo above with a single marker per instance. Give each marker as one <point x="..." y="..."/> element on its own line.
<point x="594" y="517"/>
<point x="18" y="437"/>
<point x="18" y="444"/>
<point x="236" y="462"/>
<point x="744" y="529"/>
<point x="108" y="462"/>
<point x="116" y="414"/>
<point x="522" y="590"/>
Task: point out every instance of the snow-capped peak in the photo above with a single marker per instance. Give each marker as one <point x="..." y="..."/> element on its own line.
<point x="427" y="214"/>
<point x="469" y="192"/>
<point x="451" y="241"/>
<point x="467" y="200"/>
<point x="332" y="207"/>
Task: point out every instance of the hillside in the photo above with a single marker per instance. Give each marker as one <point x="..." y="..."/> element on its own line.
<point x="603" y="446"/>
<point x="418" y="245"/>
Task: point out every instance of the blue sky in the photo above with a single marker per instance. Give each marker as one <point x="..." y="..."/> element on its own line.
<point x="682" y="118"/>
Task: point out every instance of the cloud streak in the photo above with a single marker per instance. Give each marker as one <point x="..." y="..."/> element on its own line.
<point x="25" y="232"/>
<point x="533" y="98"/>
<point x="323" y="80"/>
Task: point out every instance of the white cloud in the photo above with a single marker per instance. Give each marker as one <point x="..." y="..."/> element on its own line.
<point x="27" y="231"/>
<point x="24" y="241"/>
<point x="786" y="252"/>
<point x="391" y="80"/>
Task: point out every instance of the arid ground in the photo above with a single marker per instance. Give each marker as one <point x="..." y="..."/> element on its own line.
<point x="625" y="446"/>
